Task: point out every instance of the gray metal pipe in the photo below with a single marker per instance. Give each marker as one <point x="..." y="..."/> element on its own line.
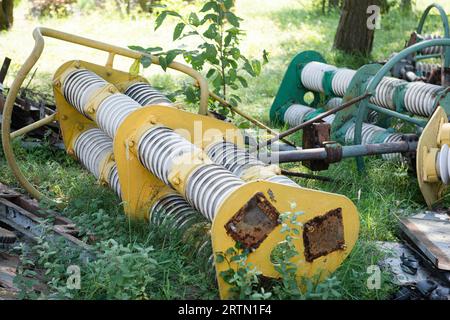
<point x="347" y="152"/>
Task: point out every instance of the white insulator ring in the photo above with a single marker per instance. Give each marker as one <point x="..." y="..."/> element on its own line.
<point x="384" y="93"/>
<point x="232" y="158"/>
<point x="334" y="102"/>
<point x="159" y="148"/>
<point x="394" y="137"/>
<point x="145" y="94"/>
<point x="329" y="119"/>
<point x="296" y="114"/>
<point x="283" y="180"/>
<point x="420" y="98"/>
<point x="173" y="209"/>
<point x="424" y="69"/>
<point x="78" y="86"/>
<point x="91" y="147"/>
<point x="113" y="180"/>
<point x="113" y="110"/>
<point x="443" y="164"/>
<point x="341" y="81"/>
<point x="433" y="49"/>
<point x="207" y="187"/>
<point x="313" y="73"/>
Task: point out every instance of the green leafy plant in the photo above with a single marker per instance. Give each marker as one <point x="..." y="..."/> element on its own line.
<point x="219" y="32"/>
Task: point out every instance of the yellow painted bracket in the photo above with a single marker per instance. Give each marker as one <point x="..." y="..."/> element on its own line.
<point x="310" y="203"/>
<point x="430" y="185"/>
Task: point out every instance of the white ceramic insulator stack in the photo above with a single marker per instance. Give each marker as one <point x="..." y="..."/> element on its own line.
<point x="420" y="98"/>
<point x="160" y="148"/>
<point x="434" y="49"/>
<point x="313" y="73"/>
<point x="173" y="210"/>
<point x="91" y="148"/>
<point x="113" y="110"/>
<point x="425" y="69"/>
<point x="368" y="131"/>
<point x="208" y="186"/>
<point x="341" y="81"/>
<point x="384" y="93"/>
<point x="113" y="180"/>
<point x="231" y="157"/>
<point x="394" y="137"/>
<point x="372" y="117"/>
<point x="296" y="114"/>
<point x="78" y="87"/>
<point x="237" y="160"/>
<point x="146" y="95"/>
<point x="443" y="164"/>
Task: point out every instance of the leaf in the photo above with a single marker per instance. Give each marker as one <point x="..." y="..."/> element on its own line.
<point x="256" y="65"/>
<point x="193" y="19"/>
<point x="163" y="62"/>
<point x="232" y="19"/>
<point x="136" y="48"/>
<point x="210" y="5"/>
<point x="178" y="30"/>
<point x="210" y="73"/>
<point x="134" y="69"/>
<point x="248" y="67"/>
<point x="211" y="32"/>
<point x="160" y="19"/>
<point x="171" y="55"/>
<point x="265" y="56"/>
<point x="228" y="4"/>
<point x="146" y="61"/>
<point x="243" y="81"/>
<point x="153" y="49"/>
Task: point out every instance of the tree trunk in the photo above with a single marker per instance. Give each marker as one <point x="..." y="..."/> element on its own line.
<point x="6" y="14"/>
<point x="353" y="34"/>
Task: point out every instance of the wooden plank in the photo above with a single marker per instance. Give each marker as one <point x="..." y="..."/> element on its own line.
<point x="431" y="234"/>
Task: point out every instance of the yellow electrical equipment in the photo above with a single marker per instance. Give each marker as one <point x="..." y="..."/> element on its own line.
<point x="150" y="168"/>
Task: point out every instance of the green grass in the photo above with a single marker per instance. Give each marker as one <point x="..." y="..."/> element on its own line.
<point x="168" y="271"/>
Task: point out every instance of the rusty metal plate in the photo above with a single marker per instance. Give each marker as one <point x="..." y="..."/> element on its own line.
<point x="323" y="234"/>
<point x="253" y="222"/>
<point x="313" y="137"/>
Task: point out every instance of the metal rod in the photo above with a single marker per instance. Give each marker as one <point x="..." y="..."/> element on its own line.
<point x="419" y="122"/>
<point x="347" y="151"/>
<point x="225" y="103"/>
<point x="33" y="126"/>
<point x="313" y="120"/>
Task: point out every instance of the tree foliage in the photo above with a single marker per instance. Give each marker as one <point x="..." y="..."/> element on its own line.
<point x="219" y="32"/>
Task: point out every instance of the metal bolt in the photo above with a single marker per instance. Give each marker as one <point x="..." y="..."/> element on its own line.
<point x="111" y="90"/>
<point x="310" y="228"/>
<point x="176" y="181"/>
<point x="70" y="151"/>
<point x="80" y="126"/>
<point x="57" y="83"/>
<point x="64" y="117"/>
<point x="131" y="143"/>
<point x="77" y="65"/>
<point x="153" y="120"/>
<point x="344" y="246"/>
<point x="91" y="110"/>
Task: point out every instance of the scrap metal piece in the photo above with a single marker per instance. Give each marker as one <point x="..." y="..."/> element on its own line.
<point x="314" y="136"/>
<point x="6" y="236"/>
<point x="253" y="222"/>
<point x="323" y="235"/>
<point x="430" y="232"/>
